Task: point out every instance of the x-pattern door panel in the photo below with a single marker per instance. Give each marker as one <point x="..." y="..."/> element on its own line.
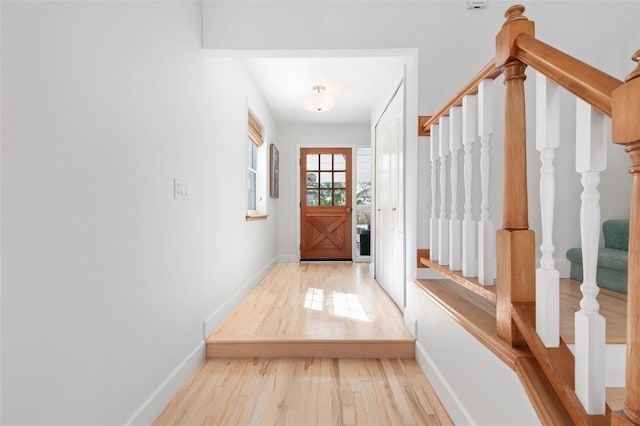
<point x="325" y="204"/>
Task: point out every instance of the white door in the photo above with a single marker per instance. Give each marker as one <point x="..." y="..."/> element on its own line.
<point x="389" y="201"/>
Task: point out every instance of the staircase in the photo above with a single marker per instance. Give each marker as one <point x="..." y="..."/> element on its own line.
<point x="517" y="315"/>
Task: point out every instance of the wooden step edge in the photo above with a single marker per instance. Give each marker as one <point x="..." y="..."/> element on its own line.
<point x="312" y="349"/>
<point x="543" y="397"/>
<point x="558" y="365"/>
<point x="470" y="283"/>
<point x="472" y="317"/>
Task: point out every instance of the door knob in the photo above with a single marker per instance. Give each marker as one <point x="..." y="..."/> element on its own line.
<point x="348" y="209"/>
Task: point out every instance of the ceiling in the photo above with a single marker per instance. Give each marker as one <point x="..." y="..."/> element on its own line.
<point x="355" y="82"/>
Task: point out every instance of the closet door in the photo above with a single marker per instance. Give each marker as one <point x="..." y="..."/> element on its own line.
<point x="389" y="253"/>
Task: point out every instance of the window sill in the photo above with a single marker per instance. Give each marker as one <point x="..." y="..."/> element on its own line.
<point x="252" y="217"/>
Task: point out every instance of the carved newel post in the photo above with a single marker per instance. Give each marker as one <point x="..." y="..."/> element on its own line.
<point x="515" y="243"/>
<point x="626" y="131"/>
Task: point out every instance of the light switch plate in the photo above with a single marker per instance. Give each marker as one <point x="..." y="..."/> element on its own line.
<point x="180" y="189"/>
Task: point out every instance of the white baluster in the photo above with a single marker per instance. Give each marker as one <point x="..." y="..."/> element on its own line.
<point x="591" y="159"/>
<point x="486" y="232"/>
<point x="455" y="225"/>
<point x="443" y="243"/>
<point x="434" y="230"/>
<point x="547" y="276"/>
<point x="469" y="136"/>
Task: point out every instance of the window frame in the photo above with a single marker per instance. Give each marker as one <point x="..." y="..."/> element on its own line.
<point x="255" y="141"/>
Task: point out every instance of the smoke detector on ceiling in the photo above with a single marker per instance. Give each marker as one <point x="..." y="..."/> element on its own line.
<point x="476" y="4"/>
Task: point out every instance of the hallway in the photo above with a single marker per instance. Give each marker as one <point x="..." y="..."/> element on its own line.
<point x="298" y="350"/>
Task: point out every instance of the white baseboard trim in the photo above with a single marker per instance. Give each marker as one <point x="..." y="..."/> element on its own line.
<point x="428" y="274"/>
<point x="219" y="315"/>
<point x="452" y="403"/>
<point x="288" y="258"/>
<point x="158" y="400"/>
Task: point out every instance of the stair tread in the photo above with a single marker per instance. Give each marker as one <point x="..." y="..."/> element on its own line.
<point x="557" y="364"/>
<point x="475" y="314"/>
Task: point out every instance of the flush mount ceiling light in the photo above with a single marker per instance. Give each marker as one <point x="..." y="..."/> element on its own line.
<point x="319" y="101"/>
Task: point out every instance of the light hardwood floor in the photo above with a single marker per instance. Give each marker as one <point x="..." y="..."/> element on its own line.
<point x="305" y="392"/>
<point x="333" y="310"/>
<point x="324" y="304"/>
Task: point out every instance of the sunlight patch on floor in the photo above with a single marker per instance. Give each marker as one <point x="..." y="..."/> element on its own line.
<point x="339" y="304"/>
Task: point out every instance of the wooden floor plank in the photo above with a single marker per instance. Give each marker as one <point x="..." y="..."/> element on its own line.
<point x="306" y="392"/>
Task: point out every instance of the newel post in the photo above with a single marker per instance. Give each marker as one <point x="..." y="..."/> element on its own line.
<point x="515" y="243"/>
<point x="625" y="116"/>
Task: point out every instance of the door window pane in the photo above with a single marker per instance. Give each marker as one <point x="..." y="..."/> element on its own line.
<point x="312" y="179"/>
<point x="339" y="162"/>
<point x="339" y="180"/>
<point x="312" y="198"/>
<point x="325" y="161"/>
<point x="312" y="162"/>
<point x="325" y="197"/>
<point x="325" y="180"/>
<point x="339" y="197"/>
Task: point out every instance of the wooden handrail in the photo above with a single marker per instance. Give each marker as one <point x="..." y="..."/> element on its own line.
<point x="471" y="88"/>
<point x="590" y="84"/>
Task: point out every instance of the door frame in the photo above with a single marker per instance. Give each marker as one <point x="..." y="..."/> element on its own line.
<point x="299" y="147"/>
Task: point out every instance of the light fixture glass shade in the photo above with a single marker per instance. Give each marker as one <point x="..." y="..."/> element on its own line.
<point x="319" y="101"/>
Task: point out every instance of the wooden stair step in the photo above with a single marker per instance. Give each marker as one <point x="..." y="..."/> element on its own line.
<point x="470" y="283"/>
<point x="475" y="314"/>
<point x="558" y="365"/>
<point x="283" y="347"/>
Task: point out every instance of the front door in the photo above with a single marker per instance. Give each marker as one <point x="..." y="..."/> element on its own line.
<point x="325" y="204"/>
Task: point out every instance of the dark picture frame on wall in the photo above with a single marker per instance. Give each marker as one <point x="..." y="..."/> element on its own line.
<point x="275" y="172"/>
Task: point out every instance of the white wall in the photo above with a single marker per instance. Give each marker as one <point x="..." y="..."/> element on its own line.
<point x="106" y="279"/>
<point x="290" y="137"/>
<point x="474" y="385"/>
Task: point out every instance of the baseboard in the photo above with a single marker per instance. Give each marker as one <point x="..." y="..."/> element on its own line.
<point x="153" y="406"/>
<point x="428" y="274"/>
<point x="219" y="315"/>
<point x="288" y="258"/>
<point x="452" y="403"/>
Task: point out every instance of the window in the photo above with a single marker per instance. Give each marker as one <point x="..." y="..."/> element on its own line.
<point x="255" y="171"/>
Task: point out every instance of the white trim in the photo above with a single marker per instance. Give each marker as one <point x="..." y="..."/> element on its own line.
<point x="452" y="403"/>
<point x="219" y="315"/>
<point x="158" y="400"/>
